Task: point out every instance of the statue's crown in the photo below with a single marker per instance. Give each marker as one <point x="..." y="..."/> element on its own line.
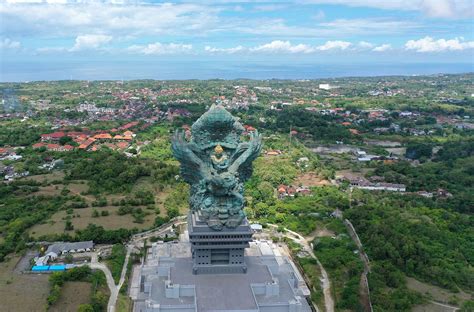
<point x="217" y="126"/>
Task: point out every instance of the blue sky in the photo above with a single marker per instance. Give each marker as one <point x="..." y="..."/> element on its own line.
<point x="270" y="32"/>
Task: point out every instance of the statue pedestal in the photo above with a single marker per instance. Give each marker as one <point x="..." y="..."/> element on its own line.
<point x="218" y="252"/>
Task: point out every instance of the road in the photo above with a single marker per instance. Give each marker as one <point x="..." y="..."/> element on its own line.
<point x="445" y="305"/>
<point x="114" y="289"/>
<point x="325" y="282"/>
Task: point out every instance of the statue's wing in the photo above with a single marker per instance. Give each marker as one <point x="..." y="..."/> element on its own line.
<point x="191" y="168"/>
<point x="245" y="154"/>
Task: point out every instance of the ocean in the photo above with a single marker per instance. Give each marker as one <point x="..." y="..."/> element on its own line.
<point x="181" y="70"/>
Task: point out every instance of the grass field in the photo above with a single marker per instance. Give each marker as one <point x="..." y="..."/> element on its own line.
<point x="57" y="222"/>
<point x="54" y="175"/>
<point x="436" y="293"/>
<point x="123" y="303"/>
<point x="21" y="292"/>
<point x="72" y="295"/>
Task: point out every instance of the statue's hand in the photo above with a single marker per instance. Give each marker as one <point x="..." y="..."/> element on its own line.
<point x="179" y="144"/>
<point x="255" y="143"/>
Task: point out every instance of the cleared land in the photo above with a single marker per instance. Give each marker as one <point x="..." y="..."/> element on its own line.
<point x="437" y="294"/>
<point x="72" y="295"/>
<point x="31" y="290"/>
<point x="311" y="179"/>
<point x="54" y="175"/>
<point x="113" y="221"/>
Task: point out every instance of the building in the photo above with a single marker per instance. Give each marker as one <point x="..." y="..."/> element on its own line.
<point x="58" y="249"/>
<point x="165" y="283"/>
<point x="52" y="137"/>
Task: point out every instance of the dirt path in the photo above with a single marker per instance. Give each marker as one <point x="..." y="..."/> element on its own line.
<point x="325" y="282"/>
<point x="364" y="290"/>
<point x="445" y="305"/>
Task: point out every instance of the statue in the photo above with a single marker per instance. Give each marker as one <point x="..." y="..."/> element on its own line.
<point x="216" y="162"/>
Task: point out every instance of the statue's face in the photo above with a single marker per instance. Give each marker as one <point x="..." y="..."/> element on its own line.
<point x="219" y="158"/>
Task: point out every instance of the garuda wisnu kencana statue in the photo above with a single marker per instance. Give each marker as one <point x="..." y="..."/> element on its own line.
<point x="216" y="161"/>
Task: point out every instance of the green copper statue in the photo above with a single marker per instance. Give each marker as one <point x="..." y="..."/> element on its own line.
<point x="216" y="162"/>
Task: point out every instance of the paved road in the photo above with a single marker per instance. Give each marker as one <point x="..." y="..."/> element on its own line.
<point x="114" y="291"/>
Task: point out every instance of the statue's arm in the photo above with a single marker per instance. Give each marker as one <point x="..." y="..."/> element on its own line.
<point x="254" y="146"/>
<point x="192" y="167"/>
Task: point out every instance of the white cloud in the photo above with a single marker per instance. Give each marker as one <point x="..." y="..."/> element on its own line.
<point x="334" y="45"/>
<point x="382" y="48"/>
<point x="369" y="26"/>
<point x="280" y="46"/>
<point x="9" y="44"/>
<point x="225" y="50"/>
<point x="365" y="45"/>
<point x="158" y="48"/>
<point x="119" y="20"/>
<point x="432" y="8"/>
<point x="90" y="42"/>
<point x="269" y="7"/>
<point x="428" y="44"/>
<point x="283" y="46"/>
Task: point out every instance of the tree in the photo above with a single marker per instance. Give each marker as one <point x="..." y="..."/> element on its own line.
<point x="68" y="226"/>
<point x="418" y="150"/>
<point x="85" y="308"/>
<point x="65" y="140"/>
<point x="95" y="213"/>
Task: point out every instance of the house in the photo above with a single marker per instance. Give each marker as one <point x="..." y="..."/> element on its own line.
<point x="3" y="151"/>
<point x="38" y="145"/>
<point x="85" y="145"/>
<point x="103" y="136"/>
<point x="55" y="147"/>
<point x="128" y="125"/>
<point x="122" y="145"/>
<point x="249" y="129"/>
<point x="53" y="137"/>
<point x="64" y="248"/>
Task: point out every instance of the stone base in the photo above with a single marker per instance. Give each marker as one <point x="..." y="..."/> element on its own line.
<point x="165" y="283"/>
<point x="217" y="252"/>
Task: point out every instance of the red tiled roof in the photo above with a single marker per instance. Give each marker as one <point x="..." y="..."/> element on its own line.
<point x="122" y="145"/>
<point x="86" y="144"/>
<point x="129" y="125"/>
<point x="102" y="136"/>
<point x="54" y="135"/>
<point x="52" y="146"/>
<point x="38" y="145"/>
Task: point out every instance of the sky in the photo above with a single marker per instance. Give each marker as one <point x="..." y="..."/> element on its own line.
<point x="83" y="39"/>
